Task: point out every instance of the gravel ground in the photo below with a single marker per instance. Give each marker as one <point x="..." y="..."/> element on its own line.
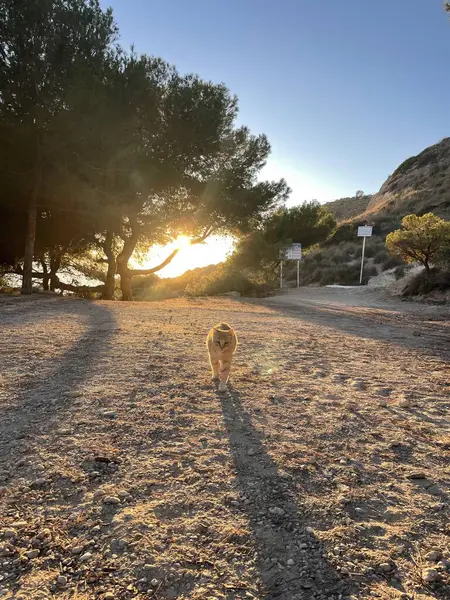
<point x="323" y="473"/>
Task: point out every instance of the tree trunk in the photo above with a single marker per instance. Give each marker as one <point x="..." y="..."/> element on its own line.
<point x="55" y="263"/>
<point x="125" y="284"/>
<point x="110" y="284"/>
<point x="45" y="274"/>
<point x="27" y="277"/>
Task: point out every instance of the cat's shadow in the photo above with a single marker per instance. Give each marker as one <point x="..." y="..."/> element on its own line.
<point x="280" y="532"/>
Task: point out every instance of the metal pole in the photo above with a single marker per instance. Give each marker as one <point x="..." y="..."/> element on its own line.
<point x="298" y="274"/>
<point x="362" y="261"/>
<point x="281" y="274"/>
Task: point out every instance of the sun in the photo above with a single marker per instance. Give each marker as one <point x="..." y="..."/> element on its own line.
<point x="182" y="242"/>
<point x="190" y="256"/>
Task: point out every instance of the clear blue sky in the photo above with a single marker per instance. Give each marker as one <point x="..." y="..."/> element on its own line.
<point x="345" y="90"/>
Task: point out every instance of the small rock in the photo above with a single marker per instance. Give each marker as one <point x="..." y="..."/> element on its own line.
<point x="109" y="414"/>
<point x="417" y="475"/>
<point x="433" y="556"/>
<point x="85" y="557"/>
<point x="32" y="554"/>
<point x="405" y="403"/>
<point x="384" y="392"/>
<point x="290" y="563"/>
<point x="3" y="490"/>
<point x="251" y="452"/>
<point x="10" y="533"/>
<point x="37" y="483"/>
<point x="98" y="494"/>
<point x="357" y="384"/>
<point x="77" y="549"/>
<point x="72" y="394"/>
<point x="383" y="402"/>
<point x="386" y="567"/>
<point x="430" y="575"/>
<point x="96" y="529"/>
<point x="444" y="565"/>
<point x="111" y="500"/>
<point x="109" y="596"/>
<point x="154" y="583"/>
<point x="359" y="511"/>
<point x="61" y="580"/>
<point x="276" y="510"/>
<point x="124" y="495"/>
<point x="19" y="524"/>
<point x="434" y="490"/>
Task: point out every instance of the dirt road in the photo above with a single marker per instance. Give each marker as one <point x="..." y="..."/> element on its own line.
<point x="323" y="473"/>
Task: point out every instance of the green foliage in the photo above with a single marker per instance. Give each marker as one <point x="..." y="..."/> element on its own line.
<point x="424" y="239"/>
<point x="427" y="282"/>
<point x="307" y="224"/>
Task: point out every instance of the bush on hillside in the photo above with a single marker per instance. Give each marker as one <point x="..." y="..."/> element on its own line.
<point x="425" y="283"/>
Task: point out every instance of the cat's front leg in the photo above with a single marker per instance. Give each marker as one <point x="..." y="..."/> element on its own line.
<point x="214" y="368"/>
<point x="225" y="368"/>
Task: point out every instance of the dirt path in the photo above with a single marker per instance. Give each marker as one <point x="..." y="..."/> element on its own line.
<point x="322" y="474"/>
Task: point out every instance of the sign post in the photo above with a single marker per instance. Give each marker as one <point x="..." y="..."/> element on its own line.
<point x="294" y="252"/>
<point x="364" y="232"/>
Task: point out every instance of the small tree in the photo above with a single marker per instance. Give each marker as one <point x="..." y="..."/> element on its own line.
<point x="424" y="239"/>
<point x="359" y="194"/>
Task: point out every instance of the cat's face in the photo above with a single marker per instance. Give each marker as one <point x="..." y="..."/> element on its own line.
<point x="222" y="338"/>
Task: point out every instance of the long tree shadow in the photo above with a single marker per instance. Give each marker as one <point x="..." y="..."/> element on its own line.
<point x="35" y="409"/>
<point x="409" y="331"/>
<point x="291" y="558"/>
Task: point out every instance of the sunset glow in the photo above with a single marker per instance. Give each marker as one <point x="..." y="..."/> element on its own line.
<point x="213" y="251"/>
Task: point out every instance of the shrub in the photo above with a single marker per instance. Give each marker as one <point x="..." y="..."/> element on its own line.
<point x="424" y="283"/>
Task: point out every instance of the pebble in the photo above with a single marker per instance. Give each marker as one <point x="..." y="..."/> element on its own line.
<point x="39" y="482"/>
<point x="111" y="500"/>
<point x="98" y="494"/>
<point x="124" y="495"/>
<point x="110" y="414"/>
<point x="154" y="583"/>
<point x="290" y="563"/>
<point x="10" y="533"/>
<point x="19" y="524"/>
<point x="77" y="549"/>
<point x="405" y="403"/>
<point x="85" y="557"/>
<point x="72" y="394"/>
<point x="32" y="554"/>
<point x="251" y="452"/>
<point x="385" y="392"/>
<point x="357" y="384"/>
<point x="108" y="596"/>
<point x="61" y="580"/>
<point x="3" y="490"/>
<point x="276" y="510"/>
<point x="433" y="556"/>
<point x="386" y="567"/>
<point x="430" y="575"/>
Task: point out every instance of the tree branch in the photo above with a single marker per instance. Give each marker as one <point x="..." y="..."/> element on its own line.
<point x="165" y="262"/>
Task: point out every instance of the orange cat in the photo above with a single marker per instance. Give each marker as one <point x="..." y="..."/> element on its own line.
<point x="221" y="342"/>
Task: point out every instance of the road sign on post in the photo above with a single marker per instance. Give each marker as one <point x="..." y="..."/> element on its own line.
<point x="294" y="252"/>
<point x="364" y="231"/>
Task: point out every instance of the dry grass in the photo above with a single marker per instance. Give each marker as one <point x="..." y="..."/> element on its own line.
<point x="294" y="484"/>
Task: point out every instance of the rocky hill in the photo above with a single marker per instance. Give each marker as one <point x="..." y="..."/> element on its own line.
<point x="420" y="184"/>
<point x="347" y="208"/>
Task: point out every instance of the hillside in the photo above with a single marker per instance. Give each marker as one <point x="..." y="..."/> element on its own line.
<point x="420" y="184"/>
<point x="348" y="208"/>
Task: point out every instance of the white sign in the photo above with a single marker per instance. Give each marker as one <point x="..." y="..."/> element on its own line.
<point x="365" y="231"/>
<point x="294" y="252"/>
